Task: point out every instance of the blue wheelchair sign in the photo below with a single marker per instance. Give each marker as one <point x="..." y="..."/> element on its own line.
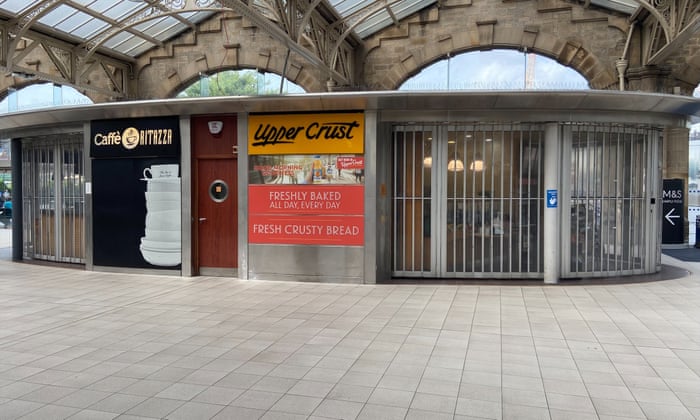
<point x="552" y="199"/>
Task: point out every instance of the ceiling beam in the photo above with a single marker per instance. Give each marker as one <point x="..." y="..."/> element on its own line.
<point x="280" y="35"/>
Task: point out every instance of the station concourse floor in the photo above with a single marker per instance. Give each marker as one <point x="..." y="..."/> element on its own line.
<point x="92" y="345"/>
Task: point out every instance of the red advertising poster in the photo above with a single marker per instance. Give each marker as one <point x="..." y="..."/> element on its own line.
<point x="306" y="214"/>
<point x="306" y="199"/>
<point x="350" y="162"/>
<point x="307" y="169"/>
<point x="306" y="230"/>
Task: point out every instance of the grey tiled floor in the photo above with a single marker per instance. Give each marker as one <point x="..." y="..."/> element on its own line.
<point x="87" y="345"/>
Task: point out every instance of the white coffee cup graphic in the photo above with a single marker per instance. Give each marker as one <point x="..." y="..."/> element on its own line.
<point x="161" y="244"/>
<point x="161" y="171"/>
<point x="162" y="205"/>
<point x="163" y="185"/>
<point x="162" y="196"/>
<point x="160" y="235"/>
<point x="164" y="258"/>
<point x="163" y="220"/>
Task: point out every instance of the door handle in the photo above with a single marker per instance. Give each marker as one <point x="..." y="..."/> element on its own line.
<point x="201" y="219"/>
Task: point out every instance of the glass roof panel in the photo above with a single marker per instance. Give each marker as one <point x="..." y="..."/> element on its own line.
<point x="380" y="19"/>
<point x="71" y="23"/>
<point x="57" y="15"/>
<point x="135" y="48"/>
<point x="196" y="17"/>
<point x="120" y="10"/>
<point x="347" y="7"/>
<point x="90" y="28"/>
<point x="624" y="6"/>
<point x="155" y="28"/>
<point x="125" y="41"/>
<point x="17" y="6"/>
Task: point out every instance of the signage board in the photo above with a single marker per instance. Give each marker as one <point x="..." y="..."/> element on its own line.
<point x="306" y="179"/>
<point x="303" y="199"/>
<point x="306" y="214"/>
<point x="673" y="198"/>
<point x="136" y="193"/>
<point x="303" y="230"/>
<point x="135" y="137"/>
<point x="552" y="199"/>
<point x="306" y="134"/>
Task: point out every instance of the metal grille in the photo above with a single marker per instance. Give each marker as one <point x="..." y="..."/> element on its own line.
<point x="468" y="201"/>
<point x="608" y="219"/>
<point x="494" y="200"/>
<point x="413" y="160"/>
<point x="53" y="198"/>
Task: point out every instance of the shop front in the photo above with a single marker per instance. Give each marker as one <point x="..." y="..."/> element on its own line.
<point x="306" y="191"/>
<point x="469" y="200"/>
<point x="51" y="202"/>
<point x="356" y="188"/>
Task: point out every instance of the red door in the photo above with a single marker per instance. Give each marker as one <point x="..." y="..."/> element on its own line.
<point x="217" y="215"/>
<point x="215" y="198"/>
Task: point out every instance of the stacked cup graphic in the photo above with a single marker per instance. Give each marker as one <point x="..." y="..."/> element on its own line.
<point x="161" y="244"/>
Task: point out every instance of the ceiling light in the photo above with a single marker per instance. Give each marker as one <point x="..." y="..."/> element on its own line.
<point x="455" y="165"/>
<point x="477" y="165"/>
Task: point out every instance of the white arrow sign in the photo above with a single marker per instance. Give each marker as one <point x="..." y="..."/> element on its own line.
<point x="670" y="216"/>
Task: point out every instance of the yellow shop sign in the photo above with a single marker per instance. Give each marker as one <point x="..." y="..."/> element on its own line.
<point x="299" y="134"/>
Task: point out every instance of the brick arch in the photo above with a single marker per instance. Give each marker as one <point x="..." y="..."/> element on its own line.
<point x="586" y="40"/>
<point x="569" y="53"/>
<point x="195" y="78"/>
<point x="437" y="59"/>
<point x="163" y="71"/>
<point x="19" y="84"/>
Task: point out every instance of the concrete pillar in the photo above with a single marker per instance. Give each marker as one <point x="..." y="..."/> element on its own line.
<point x="676" y="152"/>
<point x="17" y="200"/>
<point x="551" y="219"/>
<point x="373" y="242"/>
<point x="675" y="165"/>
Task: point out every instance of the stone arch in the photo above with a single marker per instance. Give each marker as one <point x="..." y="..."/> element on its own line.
<point x="569" y="53"/>
<point x="455" y="54"/>
<point x="586" y="40"/>
<point x="195" y="78"/>
<point x="8" y="82"/>
<point x="163" y="71"/>
<point x="23" y="96"/>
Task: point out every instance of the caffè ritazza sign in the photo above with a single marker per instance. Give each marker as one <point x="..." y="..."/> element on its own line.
<point x="135" y="137"/>
<point x="298" y="134"/>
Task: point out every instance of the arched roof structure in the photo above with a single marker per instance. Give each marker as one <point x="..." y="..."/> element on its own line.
<point x="95" y="45"/>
